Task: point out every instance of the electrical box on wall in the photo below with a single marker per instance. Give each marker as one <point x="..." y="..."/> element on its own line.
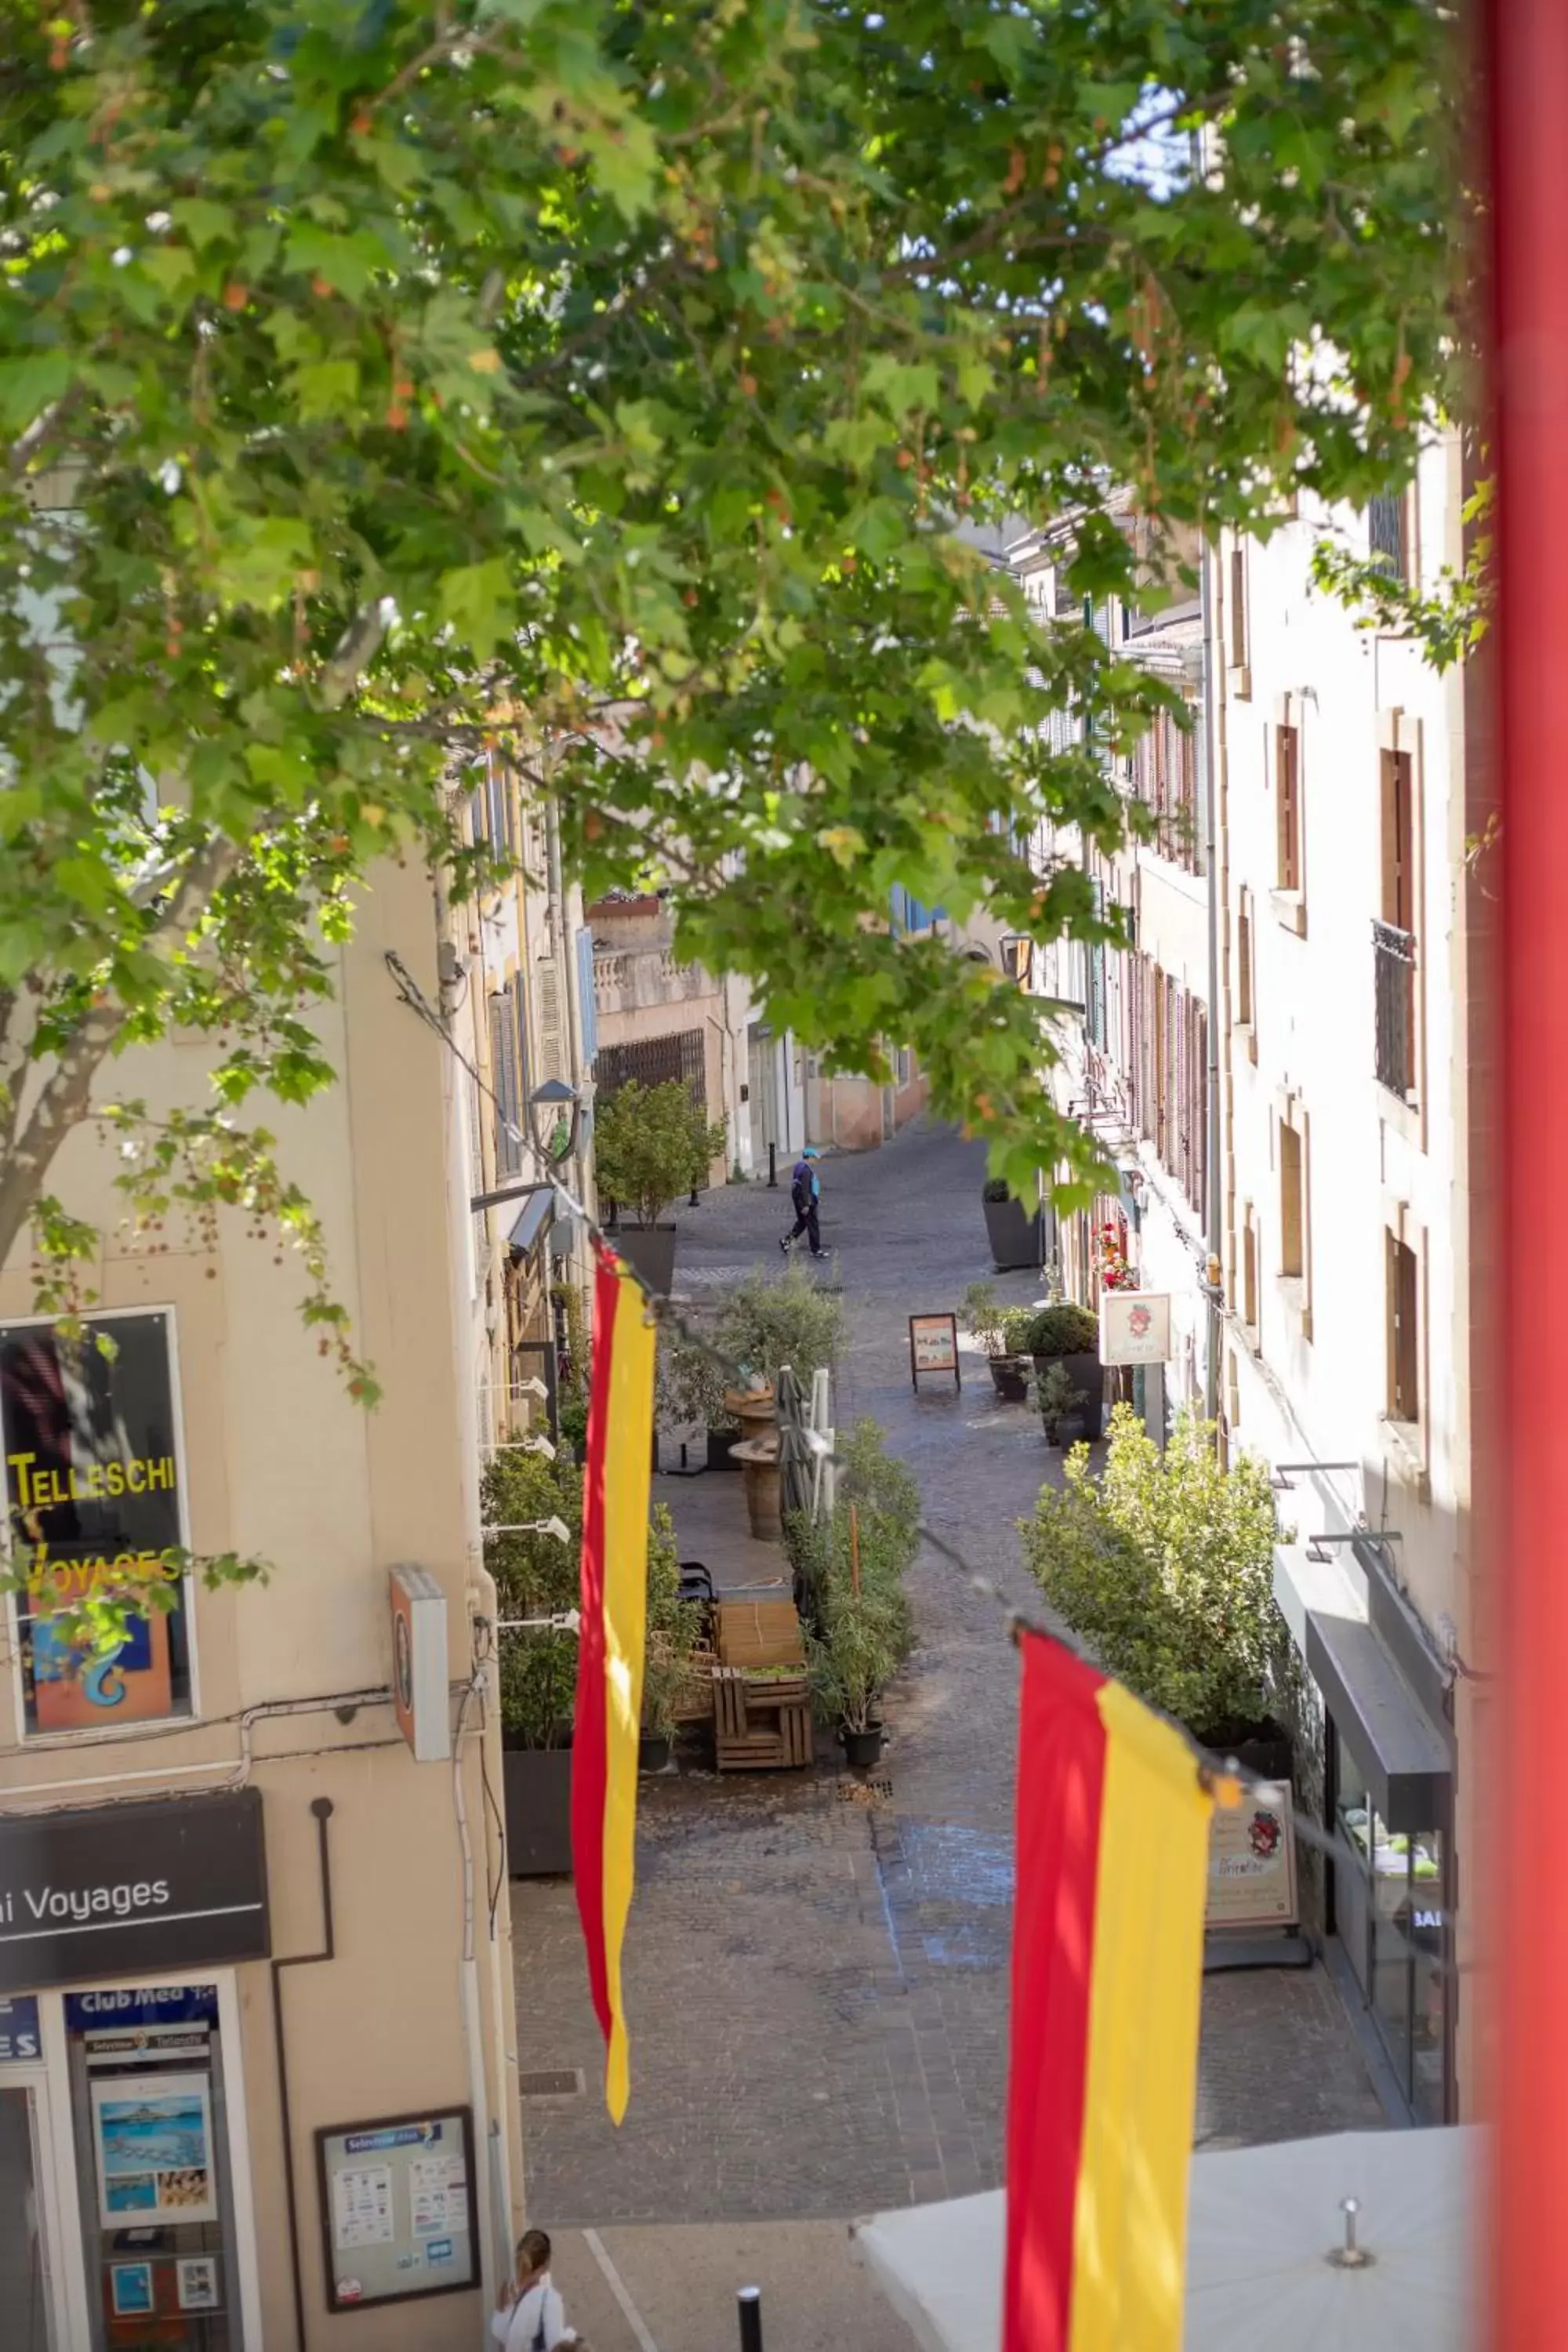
<point x="419" y="1675"/>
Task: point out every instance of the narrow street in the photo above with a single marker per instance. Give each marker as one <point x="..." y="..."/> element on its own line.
<point x="816" y="1971"/>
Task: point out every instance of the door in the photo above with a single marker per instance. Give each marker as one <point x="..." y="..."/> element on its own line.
<point x="27" y="2276"/>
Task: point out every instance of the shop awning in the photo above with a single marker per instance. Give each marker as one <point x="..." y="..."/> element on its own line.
<point x="1408" y="1772"/>
<point x="531" y="1219"/>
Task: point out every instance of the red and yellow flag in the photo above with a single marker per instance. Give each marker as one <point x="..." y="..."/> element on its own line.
<point x="1113" y="1830"/>
<point x="610" y="1646"/>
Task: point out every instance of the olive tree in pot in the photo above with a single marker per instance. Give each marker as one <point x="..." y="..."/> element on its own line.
<point x="1069" y="1336"/>
<point x="1163" y="1565"/>
<point x="1014" y="1233"/>
<point x="987" y="1323"/>
<point x="536" y="1575"/>
<point x="691" y="1395"/>
<point x="650" y="1145"/>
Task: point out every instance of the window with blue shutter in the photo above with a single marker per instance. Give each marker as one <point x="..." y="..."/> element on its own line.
<point x="586" y="996"/>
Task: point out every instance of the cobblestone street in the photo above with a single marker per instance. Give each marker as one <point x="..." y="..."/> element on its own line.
<point x="817" y="1972"/>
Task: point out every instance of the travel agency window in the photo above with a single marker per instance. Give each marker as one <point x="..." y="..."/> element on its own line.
<point x="151" y="2134"/>
<point x="89" y="1426"/>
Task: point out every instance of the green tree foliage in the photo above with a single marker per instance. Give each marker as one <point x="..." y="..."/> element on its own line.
<point x="387" y="387"/>
<point x="1163" y="1565"/>
<point x="1446" y="620"/>
<point x="651" y="1143"/>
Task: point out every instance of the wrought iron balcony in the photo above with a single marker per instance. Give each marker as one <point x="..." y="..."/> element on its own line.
<point x="1394" y="958"/>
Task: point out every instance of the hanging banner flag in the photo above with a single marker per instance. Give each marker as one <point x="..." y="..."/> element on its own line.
<point x="610" y="1644"/>
<point x="1113" y="1843"/>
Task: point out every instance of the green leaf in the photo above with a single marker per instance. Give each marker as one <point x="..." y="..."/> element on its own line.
<point x="478" y="601"/>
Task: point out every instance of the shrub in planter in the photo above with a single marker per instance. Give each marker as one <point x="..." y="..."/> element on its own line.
<point x="672" y="1626"/>
<point x="852" y="1661"/>
<point x="885" y="1491"/>
<point x="762" y="1325"/>
<point x="986" y="1322"/>
<point x="536" y="1575"/>
<point x="1163" y="1565"/>
<point x="1069" y="1335"/>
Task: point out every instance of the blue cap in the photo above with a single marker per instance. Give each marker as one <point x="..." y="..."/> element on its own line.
<point x="811" y="1152"/>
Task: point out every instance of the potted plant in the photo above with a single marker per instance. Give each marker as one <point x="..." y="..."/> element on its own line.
<point x="536" y="1575"/>
<point x="1016" y="1235"/>
<point x="691" y="1395"/>
<point x="1164" y="1564"/>
<point x="1069" y="1335"/>
<point x="852" y="1661"/>
<point x="986" y="1323"/>
<point x="762" y="1324"/>
<point x="671" y="1637"/>
<point x="1057" y="1398"/>
<point x="650" y="1145"/>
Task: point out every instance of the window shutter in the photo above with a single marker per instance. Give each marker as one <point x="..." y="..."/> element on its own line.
<point x="551" y="1028"/>
<point x="586" y="995"/>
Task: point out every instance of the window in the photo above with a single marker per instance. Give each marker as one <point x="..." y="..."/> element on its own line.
<point x="1388" y="534"/>
<point x="1168" y="1072"/>
<point x="1249" y="1271"/>
<point x="1238" y="607"/>
<point x="1245" y="987"/>
<point x="1404" y="1332"/>
<point x="1393" y="936"/>
<point x="1165" y="772"/>
<point x="1287" y="800"/>
<point x="95" y="1490"/>
<point x="1293" y="1205"/>
<point x="504" y="1081"/>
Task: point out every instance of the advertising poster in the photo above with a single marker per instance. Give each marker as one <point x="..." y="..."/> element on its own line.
<point x="93" y="1498"/>
<point x="197" y="2277"/>
<point x="153" y="2141"/>
<point x="1252" y="1863"/>
<point x="1134" y="1327"/>
<point x="397" y="2208"/>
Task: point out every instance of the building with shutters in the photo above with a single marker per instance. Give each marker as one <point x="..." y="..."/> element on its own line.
<point x="528" y="1017"/>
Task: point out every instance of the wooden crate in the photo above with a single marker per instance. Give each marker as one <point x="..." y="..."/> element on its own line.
<point x="760" y="1726"/>
<point x="760" y="1634"/>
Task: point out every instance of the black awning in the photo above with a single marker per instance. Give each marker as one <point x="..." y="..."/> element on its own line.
<point x="531" y="1220"/>
<point x="1404" y="1756"/>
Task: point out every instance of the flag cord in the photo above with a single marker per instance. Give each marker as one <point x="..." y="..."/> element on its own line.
<point x="1223" y="1778"/>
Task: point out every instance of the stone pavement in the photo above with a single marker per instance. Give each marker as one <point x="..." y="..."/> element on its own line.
<point x="817" y="1970"/>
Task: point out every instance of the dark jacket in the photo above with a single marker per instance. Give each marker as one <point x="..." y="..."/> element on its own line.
<point x="804" y="1188"/>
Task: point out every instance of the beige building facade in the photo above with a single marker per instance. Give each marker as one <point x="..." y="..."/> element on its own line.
<point x="257" y="2063"/>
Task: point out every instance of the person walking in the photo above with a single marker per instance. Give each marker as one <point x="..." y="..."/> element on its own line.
<point x="529" y="2315"/>
<point x="806" y="1194"/>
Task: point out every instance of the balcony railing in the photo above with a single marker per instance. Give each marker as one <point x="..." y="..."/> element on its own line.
<point x="1393" y="960"/>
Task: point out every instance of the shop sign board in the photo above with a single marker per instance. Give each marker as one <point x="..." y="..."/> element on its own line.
<point x="934" y="1346"/>
<point x="399" y="2215"/>
<point x="93" y="1500"/>
<point x="131" y="1890"/>
<point x="1252" y="1862"/>
<point x="1134" y="1327"/>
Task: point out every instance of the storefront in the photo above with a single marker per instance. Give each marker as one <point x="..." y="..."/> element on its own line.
<point x="126" y="2211"/>
<point x="1390" y="1809"/>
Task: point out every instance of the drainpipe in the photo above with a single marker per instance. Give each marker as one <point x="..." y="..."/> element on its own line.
<point x="1213" y="1272"/>
<point x="322" y="1807"/>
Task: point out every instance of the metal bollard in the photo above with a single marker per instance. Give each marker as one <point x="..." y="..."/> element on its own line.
<point x="773" y="1168"/>
<point x="750" y="2299"/>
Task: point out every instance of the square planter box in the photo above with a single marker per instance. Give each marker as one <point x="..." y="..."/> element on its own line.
<point x="649" y="1250"/>
<point x="1015" y="1233"/>
<point x="537" y="1786"/>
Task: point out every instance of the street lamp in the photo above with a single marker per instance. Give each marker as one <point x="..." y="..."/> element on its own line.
<point x="554" y="1116"/>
